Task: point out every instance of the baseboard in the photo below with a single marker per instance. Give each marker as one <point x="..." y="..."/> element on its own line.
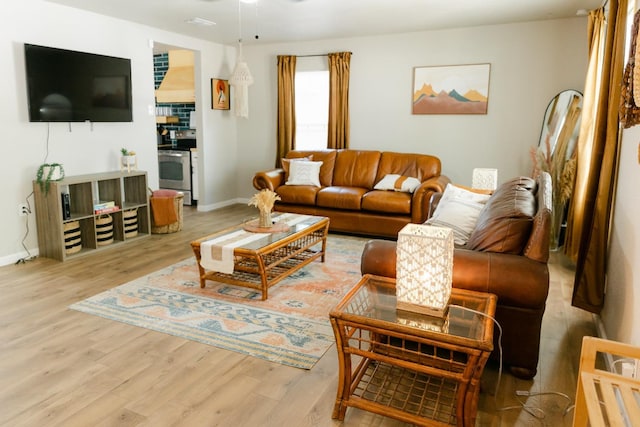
<point x="14" y="258"/>
<point x="602" y="333"/>
<point x="214" y="206"/>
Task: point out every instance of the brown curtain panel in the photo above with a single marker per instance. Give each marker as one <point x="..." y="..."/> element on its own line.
<point x="338" y="132"/>
<point x="597" y="151"/>
<point x="286" y="137"/>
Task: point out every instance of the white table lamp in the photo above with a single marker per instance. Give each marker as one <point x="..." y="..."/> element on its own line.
<point x="424" y="269"/>
<point x="485" y="179"/>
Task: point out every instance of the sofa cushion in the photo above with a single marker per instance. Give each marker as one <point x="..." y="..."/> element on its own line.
<point x="387" y="201"/>
<point x="395" y="182"/>
<point x="504" y="224"/>
<point x="340" y="197"/>
<point x="356" y="168"/>
<point x="304" y="173"/>
<point x="298" y="194"/>
<point x="421" y="166"/>
<point x="458" y="209"/>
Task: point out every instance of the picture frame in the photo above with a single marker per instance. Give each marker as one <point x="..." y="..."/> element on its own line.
<point x="219" y="94"/>
<point x="451" y="89"/>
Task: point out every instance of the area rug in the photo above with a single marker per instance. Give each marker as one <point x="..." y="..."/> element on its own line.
<point x="291" y="327"/>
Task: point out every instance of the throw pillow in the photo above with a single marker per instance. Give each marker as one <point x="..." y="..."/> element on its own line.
<point x="458" y="209"/>
<point x="287" y="162"/>
<point x="395" y="182"/>
<point x="304" y="173"/>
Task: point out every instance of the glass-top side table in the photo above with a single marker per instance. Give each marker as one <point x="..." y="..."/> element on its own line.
<point x="409" y="366"/>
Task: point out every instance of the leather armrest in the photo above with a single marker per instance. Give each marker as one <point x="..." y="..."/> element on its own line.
<point x="422" y="197"/>
<point x="516" y="279"/>
<point x="270" y="179"/>
<point x="379" y="258"/>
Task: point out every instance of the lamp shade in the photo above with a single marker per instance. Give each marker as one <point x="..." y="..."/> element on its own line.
<point x="485" y="179"/>
<point x="241" y="79"/>
<point x="424" y="269"/>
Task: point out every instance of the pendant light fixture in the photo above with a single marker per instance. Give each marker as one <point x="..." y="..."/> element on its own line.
<point x="241" y="78"/>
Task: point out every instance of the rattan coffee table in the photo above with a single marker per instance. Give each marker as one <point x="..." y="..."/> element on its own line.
<point x="411" y="367"/>
<point x="270" y="257"/>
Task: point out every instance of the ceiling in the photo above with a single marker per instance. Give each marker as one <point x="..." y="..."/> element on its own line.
<point x="271" y="21"/>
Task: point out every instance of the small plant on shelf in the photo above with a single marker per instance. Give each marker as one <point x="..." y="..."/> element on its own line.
<point x="48" y="172"/>
<point x="128" y="161"/>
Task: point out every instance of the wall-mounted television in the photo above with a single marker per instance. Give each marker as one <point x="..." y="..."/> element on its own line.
<point x="69" y="86"/>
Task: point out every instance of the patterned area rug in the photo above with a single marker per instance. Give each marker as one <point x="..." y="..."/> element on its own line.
<point x="291" y="327"/>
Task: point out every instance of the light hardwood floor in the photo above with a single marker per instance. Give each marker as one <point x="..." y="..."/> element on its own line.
<point x="60" y="367"/>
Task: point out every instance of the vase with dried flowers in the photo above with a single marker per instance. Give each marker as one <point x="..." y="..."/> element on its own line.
<point x="264" y="201"/>
<point x="562" y="169"/>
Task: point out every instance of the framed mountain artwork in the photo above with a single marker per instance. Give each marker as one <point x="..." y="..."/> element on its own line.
<point x="451" y="89"/>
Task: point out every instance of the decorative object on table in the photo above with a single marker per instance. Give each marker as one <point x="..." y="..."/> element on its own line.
<point x="48" y="172"/>
<point x="128" y="160"/>
<point x="484" y="179"/>
<point x="219" y="94"/>
<point x="424" y="269"/>
<point x="264" y="201"/>
<point x="453" y="89"/>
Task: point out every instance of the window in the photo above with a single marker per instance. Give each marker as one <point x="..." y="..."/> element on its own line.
<point x="312" y="109"/>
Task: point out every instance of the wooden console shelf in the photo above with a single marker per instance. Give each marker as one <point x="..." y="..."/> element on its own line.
<point x="128" y="190"/>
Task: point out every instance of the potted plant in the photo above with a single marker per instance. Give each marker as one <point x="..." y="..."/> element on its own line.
<point x="48" y="172"/>
<point x="128" y="161"/>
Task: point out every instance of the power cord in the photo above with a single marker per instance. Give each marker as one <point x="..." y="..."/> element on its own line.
<point x="29" y="257"/>
<point x="531" y="410"/>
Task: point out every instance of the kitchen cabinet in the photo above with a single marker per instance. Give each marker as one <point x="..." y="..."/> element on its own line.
<point x="161" y="120"/>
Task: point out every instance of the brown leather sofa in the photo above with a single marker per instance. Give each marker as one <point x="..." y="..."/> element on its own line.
<point x="346" y="193"/>
<point x="506" y="255"/>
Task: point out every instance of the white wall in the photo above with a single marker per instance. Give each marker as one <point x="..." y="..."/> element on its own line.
<point x="83" y="148"/>
<point x="621" y="313"/>
<point x="530" y="63"/>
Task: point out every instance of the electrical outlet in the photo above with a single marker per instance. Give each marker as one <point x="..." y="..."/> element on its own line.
<point x="23" y="210"/>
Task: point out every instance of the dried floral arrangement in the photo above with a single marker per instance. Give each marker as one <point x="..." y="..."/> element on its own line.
<point x="562" y="172"/>
<point x="264" y="201"/>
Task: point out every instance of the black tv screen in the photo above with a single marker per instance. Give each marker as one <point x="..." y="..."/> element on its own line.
<point x="69" y="86"/>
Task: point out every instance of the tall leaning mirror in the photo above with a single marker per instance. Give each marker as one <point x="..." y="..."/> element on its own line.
<point x="555" y="154"/>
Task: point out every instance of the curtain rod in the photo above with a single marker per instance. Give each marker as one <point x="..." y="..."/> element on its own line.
<point x="318" y="54"/>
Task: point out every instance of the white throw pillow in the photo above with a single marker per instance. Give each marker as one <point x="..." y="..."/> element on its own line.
<point x="304" y="173"/>
<point x="458" y="210"/>
<point x="286" y="162"/>
<point x="396" y="182"/>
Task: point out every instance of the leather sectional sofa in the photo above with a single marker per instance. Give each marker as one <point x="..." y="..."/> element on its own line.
<point x="345" y="191"/>
<point x="506" y="255"/>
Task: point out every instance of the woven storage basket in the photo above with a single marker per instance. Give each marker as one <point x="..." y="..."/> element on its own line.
<point x="104" y="230"/>
<point x="173" y="227"/>
<point x="130" y="218"/>
<point x="72" y="237"/>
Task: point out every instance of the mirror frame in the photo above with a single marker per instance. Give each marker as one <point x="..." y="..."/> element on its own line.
<point x="554" y="118"/>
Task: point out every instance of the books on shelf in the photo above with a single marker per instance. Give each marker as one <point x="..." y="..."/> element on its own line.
<point x="109" y="209"/>
<point x="103" y="205"/>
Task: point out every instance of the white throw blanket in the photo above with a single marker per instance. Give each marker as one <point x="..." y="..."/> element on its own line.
<point x="217" y="254"/>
